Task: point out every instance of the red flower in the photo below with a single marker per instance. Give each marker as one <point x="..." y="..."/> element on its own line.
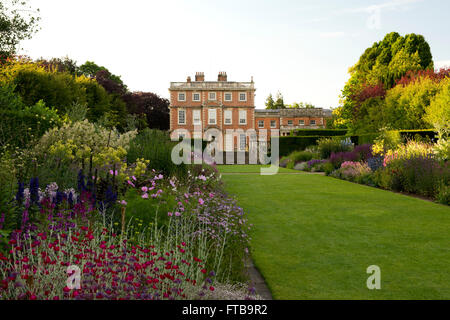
<point x="211" y="288"/>
<point x="203" y="270"/>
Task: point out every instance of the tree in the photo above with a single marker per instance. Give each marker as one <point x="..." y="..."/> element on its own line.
<point x="300" y="105"/>
<point x="17" y="22"/>
<point x="438" y="113"/>
<point x="60" y="65"/>
<point x="92" y="70"/>
<point x="155" y="108"/>
<point x="279" y="103"/>
<point x="270" y="102"/>
<point x="406" y="105"/>
<point x="378" y="69"/>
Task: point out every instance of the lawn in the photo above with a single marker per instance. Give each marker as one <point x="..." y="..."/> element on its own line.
<point x="314" y="237"/>
<point x="251" y="168"/>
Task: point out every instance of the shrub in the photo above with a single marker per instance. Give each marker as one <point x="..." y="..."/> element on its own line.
<point x="293" y="143"/>
<point x="443" y="195"/>
<point x="301" y="156"/>
<point x="320" y="132"/>
<point x="22" y="127"/>
<point x="328" y="168"/>
<point x="327" y="146"/>
<point x="441" y="149"/>
<point x="420" y="174"/>
<point x="352" y="171"/>
<point x="156" y="146"/>
<point x="375" y="163"/>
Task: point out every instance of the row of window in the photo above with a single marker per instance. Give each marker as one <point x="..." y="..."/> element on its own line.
<point x="302" y="122"/>
<point x="212" y="117"/>
<point x="212" y="96"/>
<point x="228" y="118"/>
<point x="273" y="123"/>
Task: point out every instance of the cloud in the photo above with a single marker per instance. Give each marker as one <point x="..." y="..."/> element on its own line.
<point x="335" y="34"/>
<point x="393" y="4"/>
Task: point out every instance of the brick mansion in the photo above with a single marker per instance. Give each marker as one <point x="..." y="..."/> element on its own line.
<point x="224" y="104"/>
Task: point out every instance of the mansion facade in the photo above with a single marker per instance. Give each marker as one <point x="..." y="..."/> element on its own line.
<point x="200" y="105"/>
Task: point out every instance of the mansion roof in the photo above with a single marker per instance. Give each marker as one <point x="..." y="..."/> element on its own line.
<point x="291" y="112"/>
<point x="212" y="85"/>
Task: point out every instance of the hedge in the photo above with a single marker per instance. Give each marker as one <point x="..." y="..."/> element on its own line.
<point x="294" y="143"/>
<point x="320" y="132"/>
<point x="412" y="134"/>
<point x="405" y="134"/>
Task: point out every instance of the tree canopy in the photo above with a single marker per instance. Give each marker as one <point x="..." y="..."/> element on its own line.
<point x="18" y="21"/>
<point x="379" y="69"/>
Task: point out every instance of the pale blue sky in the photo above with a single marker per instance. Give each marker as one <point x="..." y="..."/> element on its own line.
<point x="302" y="48"/>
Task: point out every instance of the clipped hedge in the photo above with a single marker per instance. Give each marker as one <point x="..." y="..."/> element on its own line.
<point x="320" y="132"/>
<point x="405" y="134"/>
<point x="425" y="134"/>
<point x="298" y="143"/>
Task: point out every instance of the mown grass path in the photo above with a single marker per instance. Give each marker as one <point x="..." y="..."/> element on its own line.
<point x="314" y="237"/>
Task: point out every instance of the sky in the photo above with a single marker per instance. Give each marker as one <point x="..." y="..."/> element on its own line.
<point x="302" y="48"/>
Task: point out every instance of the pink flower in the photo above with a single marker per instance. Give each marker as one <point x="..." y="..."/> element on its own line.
<point x="201" y="201"/>
<point x="134" y="178"/>
<point x="172" y="183"/>
<point x="145" y="196"/>
<point x="177" y="214"/>
<point x="144" y="189"/>
<point x="131" y="184"/>
<point x="123" y="202"/>
<point x="169" y="214"/>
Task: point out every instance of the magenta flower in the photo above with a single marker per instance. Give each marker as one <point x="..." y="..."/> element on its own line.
<point x="145" y="196"/>
<point x="201" y="201"/>
<point x="144" y="189"/>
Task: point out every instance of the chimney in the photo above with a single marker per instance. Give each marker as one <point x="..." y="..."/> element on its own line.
<point x="199" y="76"/>
<point x="222" y="76"/>
<point x="188" y="79"/>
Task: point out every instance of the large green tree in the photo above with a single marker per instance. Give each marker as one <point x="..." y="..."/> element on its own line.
<point x="18" y="21"/>
<point x="377" y="70"/>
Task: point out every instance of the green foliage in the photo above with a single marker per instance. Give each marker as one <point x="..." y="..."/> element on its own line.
<point x="330" y="145"/>
<point x="270" y="102"/>
<point x="381" y="66"/>
<point x="279" y="102"/>
<point x="301" y="105"/>
<point x="328" y="168"/>
<point x="301" y="156"/>
<point x="438" y="112"/>
<point x="22" y="127"/>
<point x="292" y="143"/>
<point x="386" y="140"/>
<point x="18" y="22"/>
<point x="90" y="69"/>
<point x="320" y="132"/>
<point x="405" y="106"/>
<point x="156" y="146"/>
<point x="443" y="195"/>
<point x="79" y="141"/>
